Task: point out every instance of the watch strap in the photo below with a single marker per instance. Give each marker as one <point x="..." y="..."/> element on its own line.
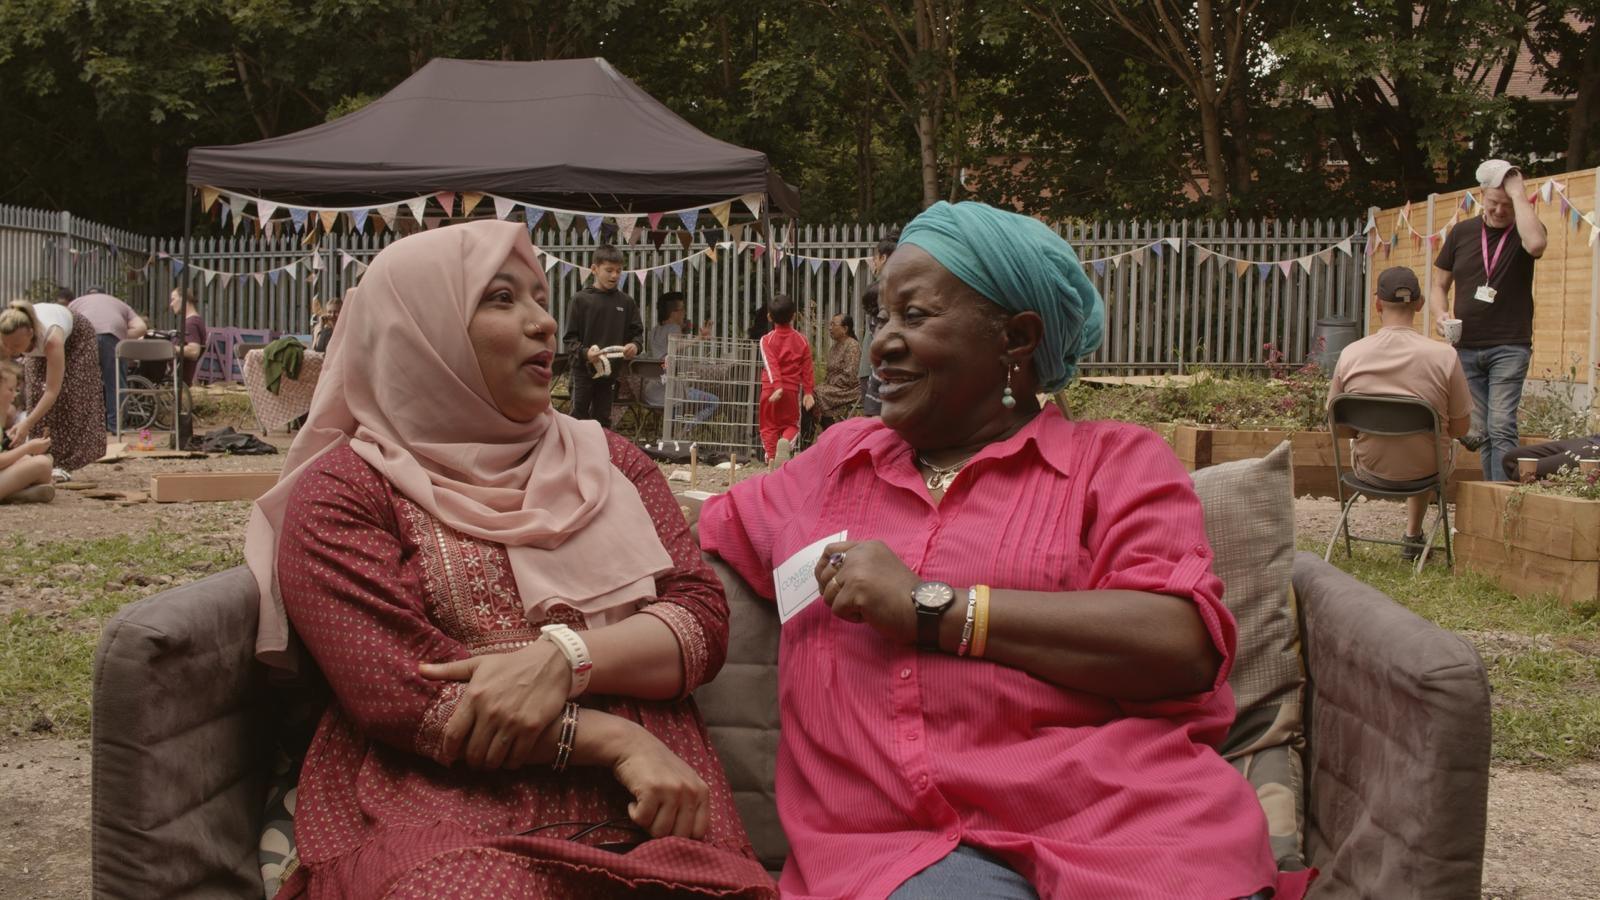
<point x="575" y="650"/>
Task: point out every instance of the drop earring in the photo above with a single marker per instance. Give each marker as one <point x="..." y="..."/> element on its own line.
<point x="1006" y="399"/>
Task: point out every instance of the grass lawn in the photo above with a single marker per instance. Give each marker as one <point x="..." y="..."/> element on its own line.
<point x="46" y="659"/>
<point x="1543" y="658"/>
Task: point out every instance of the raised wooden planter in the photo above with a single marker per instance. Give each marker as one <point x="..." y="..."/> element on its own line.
<point x="1546" y="544"/>
<point x="1199" y="446"/>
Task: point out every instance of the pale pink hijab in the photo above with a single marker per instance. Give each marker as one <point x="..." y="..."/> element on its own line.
<point x="402" y="387"/>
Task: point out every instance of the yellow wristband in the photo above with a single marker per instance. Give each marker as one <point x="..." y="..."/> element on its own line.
<point x="980" y="622"/>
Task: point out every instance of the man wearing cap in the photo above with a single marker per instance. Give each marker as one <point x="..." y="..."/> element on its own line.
<point x="1397" y="359"/>
<point x="1489" y="260"/>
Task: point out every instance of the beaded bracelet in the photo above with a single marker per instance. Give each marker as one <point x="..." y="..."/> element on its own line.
<point x="568" y="737"/>
<point x="966" y="629"/>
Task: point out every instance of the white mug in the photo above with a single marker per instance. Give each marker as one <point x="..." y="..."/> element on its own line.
<point x="1450" y="330"/>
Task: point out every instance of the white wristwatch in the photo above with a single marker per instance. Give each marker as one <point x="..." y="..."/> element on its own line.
<point x="576" y="652"/>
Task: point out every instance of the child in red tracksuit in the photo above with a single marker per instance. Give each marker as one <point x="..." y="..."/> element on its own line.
<point x="787" y="381"/>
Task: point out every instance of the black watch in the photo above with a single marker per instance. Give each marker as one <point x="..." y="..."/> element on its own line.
<point x="931" y="599"/>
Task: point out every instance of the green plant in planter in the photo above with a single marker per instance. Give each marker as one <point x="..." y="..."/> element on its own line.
<point x="1555" y="412"/>
<point x="1288" y="397"/>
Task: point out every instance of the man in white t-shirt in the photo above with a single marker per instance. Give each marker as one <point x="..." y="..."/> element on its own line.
<point x="1397" y="359"/>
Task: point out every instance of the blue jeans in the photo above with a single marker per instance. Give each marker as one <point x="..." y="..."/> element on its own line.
<point x="704" y="403"/>
<point x="968" y="873"/>
<point x="1495" y="376"/>
<point x="110" y="375"/>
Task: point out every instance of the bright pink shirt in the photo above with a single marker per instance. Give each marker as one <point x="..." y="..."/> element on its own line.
<point x="890" y="757"/>
<point x="786" y="360"/>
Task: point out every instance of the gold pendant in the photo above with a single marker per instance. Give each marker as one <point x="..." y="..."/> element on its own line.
<point x="940" y="481"/>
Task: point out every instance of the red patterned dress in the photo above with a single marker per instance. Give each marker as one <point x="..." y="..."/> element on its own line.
<point x="374" y="585"/>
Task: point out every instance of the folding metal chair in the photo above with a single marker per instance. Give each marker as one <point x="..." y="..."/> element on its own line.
<point x="142" y="397"/>
<point x="1388" y="415"/>
<point x="646" y="419"/>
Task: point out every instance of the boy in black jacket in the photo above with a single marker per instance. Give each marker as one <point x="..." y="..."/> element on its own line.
<point x="600" y="316"/>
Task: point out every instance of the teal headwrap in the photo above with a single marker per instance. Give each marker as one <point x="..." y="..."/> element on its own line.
<point x="1020" y="264"/>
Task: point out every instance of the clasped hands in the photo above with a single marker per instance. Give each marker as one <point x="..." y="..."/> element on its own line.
<point x="512" y="699"/>
<point x="864" y="581"/>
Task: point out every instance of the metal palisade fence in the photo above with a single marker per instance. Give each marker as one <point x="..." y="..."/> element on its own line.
<point x="1178" y="294"/>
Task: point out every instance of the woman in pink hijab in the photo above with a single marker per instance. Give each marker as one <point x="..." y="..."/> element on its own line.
<point x="506" y="603"/>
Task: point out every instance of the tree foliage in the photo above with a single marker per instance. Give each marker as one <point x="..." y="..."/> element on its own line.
<point x="874" y="108"/>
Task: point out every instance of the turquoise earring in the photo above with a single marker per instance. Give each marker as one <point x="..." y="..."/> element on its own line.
<point x="1006" y="399"/>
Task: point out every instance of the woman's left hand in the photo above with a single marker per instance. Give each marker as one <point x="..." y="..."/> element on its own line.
<point x="511" y="698"/>
<point x="20" y="431"/>
<point x="869" y="584"/>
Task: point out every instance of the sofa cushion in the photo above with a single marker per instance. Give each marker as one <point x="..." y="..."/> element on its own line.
<point x="1249" y="508"/>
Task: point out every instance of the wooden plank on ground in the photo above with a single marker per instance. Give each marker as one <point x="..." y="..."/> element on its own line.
<point x="205" y="487"/>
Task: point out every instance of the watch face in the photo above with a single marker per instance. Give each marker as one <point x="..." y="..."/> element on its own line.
<point x="933" y="596"/>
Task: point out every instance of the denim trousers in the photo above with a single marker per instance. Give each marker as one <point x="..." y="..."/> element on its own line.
<point x="968" y="873"/>
<point x="110" y="375"/>
<point x="1495" y="376"/>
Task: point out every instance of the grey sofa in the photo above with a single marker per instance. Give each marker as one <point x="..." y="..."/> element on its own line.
<point x="1397" y="756"/>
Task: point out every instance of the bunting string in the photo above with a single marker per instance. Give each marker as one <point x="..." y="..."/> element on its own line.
<point x="1548" y="191"/>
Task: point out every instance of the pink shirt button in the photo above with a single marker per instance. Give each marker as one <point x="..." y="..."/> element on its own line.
<point x="922" y="781"/>
<point x="951" y="835"/>
<point x="911" y="735"/>
<point x="905" y="673"/>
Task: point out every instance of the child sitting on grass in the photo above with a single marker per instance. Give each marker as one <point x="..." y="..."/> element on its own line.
<point x="25" y="468"/>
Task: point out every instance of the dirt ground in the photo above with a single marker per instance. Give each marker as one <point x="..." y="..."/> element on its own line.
<point x="1543" y="826"/>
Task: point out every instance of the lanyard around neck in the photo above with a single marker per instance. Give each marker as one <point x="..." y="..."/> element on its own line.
<point x="1490" y="262"/>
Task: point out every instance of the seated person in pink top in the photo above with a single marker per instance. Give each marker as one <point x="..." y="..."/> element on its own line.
<point x="1399" y="360"/>
<point x="1061" y="745"/>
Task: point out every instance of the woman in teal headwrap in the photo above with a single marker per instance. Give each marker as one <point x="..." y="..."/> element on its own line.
<point x="1021" y="653"/>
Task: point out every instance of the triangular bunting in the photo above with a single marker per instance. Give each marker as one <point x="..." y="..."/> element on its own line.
<point x="359" y="217"/>
<point x="418" y="207"/>
<point x="696" y="260"/>
<point x="316" y="261"/>
<point x="642" y="274"/>
<point x="1286" y="266"/>
<point x="721" y="212"/>
<point x="532" y="215"/>
<point x="583" y="273"/>
<point x="266" y="210"/>
<point x="816" y="263"/>
<point x="1159" y="248"/>
<point x="1372" y="221"/>
<point x="389" y="214"/>
<point x="1306" y="263"/>
<point x="1343" y="246"/>
<point x="657" y="238"/>
<point x="654" y="219"/>
<point x="328" y="217"/>
<point x="209" y="276"/>
<point x="223" y="280"/>
<point x="625" y="227"/>
<point x="447" y="200"/>
<point x="834" y="264"/>
<point x="758" y="250"/>
<point x="686" y="238"/>
<point x="469" y="202"/>
<point x="711" y="252"/>
<point x="298" y="217"/>
<point x="550" y="262"/>
<point x="1099" y="267"/>
<point x="275" y="275"/>
<point x="260" y="277"/>
<point x="676" y="267"/>
<point x="1546" y="190"/>
<point x="689" y="217"/>
<point x="1175" y="243"/>
<point x="431" y="222"/>
<point x="753" y="203"/>
<point x="594" y="223"/>
<point x="566" y="267"/>
<point x="209" y="195"/>
<point x="177" y="267"/>
<point x="563" y="220"/>
<point x="1201" y="254"/>
<point x="503" y="207"/>
<point x="1263" y="269"/>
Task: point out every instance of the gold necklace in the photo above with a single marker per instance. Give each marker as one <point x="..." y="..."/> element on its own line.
<point x="943" y="476"/>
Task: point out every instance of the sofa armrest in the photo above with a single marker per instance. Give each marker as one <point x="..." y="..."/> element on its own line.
<point x="1398" y="753"/>
<point x="179" y="745"/>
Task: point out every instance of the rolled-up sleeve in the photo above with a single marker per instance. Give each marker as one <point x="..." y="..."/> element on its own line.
<point x="1147" y="533"/>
